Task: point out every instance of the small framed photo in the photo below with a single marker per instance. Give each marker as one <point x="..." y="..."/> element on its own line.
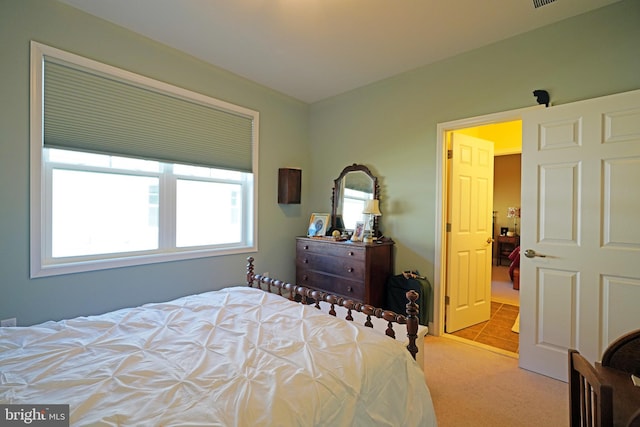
<point x="318" y="224"/>
<point x="358" y="232"/>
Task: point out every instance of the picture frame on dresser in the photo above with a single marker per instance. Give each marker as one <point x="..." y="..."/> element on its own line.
<point x="318" y="224"/>
<point x="358" y="232"/>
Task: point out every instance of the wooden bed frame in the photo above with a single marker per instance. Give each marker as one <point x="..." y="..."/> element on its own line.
<point x="307" y="295"/>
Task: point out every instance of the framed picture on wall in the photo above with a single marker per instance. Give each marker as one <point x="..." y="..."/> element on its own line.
<point x="358" y="232"/>
<point x="318" y="224"/>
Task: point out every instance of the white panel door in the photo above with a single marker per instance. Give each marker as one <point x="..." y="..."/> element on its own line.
<point x="580" y="215"/>
<point x="470" y="238"/>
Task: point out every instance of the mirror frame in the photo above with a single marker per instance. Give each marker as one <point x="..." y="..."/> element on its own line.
<point x="336" y="194"/>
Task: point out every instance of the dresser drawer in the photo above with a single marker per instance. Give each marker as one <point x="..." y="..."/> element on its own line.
<point x="343" y="250"/>
<point x="337" y="266"/>
<point x="331" y="284"/>
<point x="353" y="270"/>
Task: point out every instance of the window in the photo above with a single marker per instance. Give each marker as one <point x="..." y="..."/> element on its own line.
<point x="354" y="202"/>
<point x="178" y="183"/>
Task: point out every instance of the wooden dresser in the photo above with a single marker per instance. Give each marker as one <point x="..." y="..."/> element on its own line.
<point x="354" y="270"/>
<point x="506" y="245"/>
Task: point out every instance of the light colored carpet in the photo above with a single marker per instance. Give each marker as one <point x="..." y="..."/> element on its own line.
<point x="502" y="286"/>
<point x="473" y="387"/>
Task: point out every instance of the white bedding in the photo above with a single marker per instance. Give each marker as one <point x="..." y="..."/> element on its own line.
<point x="380" y="326"/>
<point x="212" y="359"/>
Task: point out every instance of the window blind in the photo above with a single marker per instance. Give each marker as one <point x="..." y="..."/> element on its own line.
<point x="87" y="110"/>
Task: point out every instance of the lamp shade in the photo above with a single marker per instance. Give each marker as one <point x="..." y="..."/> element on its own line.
<point x="372" y="207"/>
<point x="513" y="212"/>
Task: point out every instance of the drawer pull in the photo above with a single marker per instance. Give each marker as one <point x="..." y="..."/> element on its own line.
<point x="351" y="253"/>
<point x="305" y="278"/>
<point x="306" y="247"/>
<point x="306" y="261"/>
<point x="349" y="289"/>
<point x="350" y="269"/>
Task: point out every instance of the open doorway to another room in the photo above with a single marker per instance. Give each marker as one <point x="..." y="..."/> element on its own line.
<point x="501" y="330"/>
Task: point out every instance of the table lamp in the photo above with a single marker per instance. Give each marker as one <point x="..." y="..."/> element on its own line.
<point x="372" y="209"/>
<point x="514" y="213"/>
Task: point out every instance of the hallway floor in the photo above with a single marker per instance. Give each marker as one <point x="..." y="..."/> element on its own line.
<point x="505" y="301"/>
<point x="496" y="332"/>
<point x="502" y="286"/>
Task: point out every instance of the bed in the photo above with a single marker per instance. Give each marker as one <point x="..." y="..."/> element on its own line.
<point x="240" y="356"/>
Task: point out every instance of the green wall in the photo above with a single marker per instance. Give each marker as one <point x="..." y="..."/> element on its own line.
<point x="283" y="142"/>
<point x="390" y="126"/>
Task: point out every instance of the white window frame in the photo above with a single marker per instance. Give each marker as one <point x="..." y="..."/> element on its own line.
<point x="42" y="264"/>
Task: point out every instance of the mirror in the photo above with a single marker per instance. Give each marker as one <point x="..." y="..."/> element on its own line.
<point x="353" y="187"/>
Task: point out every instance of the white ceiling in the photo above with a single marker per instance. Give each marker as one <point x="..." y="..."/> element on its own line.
<point x="314" y="49"/>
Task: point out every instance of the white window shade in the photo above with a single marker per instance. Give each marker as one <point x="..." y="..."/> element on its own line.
<point x="89" y="111"/>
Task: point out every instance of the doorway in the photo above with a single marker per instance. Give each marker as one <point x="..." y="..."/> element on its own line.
<point x="499" y="328"/>
<point x="495" y="121"/>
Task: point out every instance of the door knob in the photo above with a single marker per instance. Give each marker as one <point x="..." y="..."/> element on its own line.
<point x="489" y="241"/>
<point x="530" y="253"/>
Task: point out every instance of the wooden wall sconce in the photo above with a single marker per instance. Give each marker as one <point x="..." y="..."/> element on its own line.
<point x="289" y="185"/>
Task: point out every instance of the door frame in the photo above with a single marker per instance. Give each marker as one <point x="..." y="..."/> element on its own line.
<point x="440" y="255"/>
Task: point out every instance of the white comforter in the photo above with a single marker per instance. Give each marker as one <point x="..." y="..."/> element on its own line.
<point x="235" y="357"/>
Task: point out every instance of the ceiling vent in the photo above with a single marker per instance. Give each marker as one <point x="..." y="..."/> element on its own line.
<point x="540" y="3"/>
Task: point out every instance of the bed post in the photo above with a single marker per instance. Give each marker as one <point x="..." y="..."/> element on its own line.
<point x="250" y="272"/>
<point x="410" y="319"/>
<point x="412" y="322"/>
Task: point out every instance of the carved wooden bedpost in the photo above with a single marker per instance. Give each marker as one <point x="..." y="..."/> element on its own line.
<point x="305" y="295"/>
<point x="412" y="322"/>
<point x="250" y="272"/>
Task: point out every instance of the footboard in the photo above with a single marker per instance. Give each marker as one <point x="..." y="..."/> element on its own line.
<point x="307" y="295"/>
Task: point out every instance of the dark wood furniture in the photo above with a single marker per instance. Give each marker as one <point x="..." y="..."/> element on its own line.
<point x="505" y="245"/>
<point x="590" y="396"/>
<point x="352" y="270"/>
<point x="304" y="294"/>
<point x="289" y="186"/>
<point x="624" y="353"/>
<point x="621" y="359"/>
<point x="357" y="178"/>
<point x="626" y="396"/>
